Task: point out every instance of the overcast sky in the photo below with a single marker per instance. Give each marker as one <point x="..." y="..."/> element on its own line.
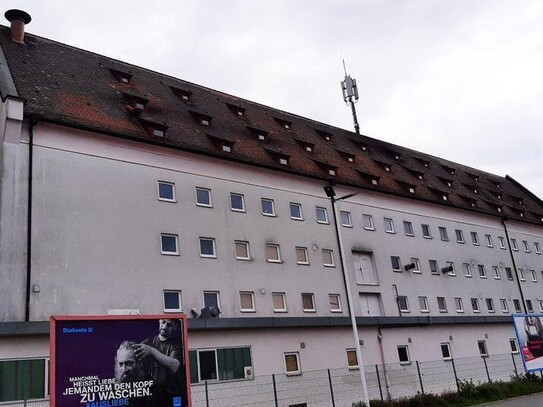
<point x="459" y="79"/>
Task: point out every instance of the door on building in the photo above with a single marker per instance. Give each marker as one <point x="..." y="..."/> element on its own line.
<point x="364" y="271"/>
<point x="370" y="303"/>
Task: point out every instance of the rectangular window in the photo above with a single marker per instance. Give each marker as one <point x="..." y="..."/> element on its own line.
<point x="482" y="348"/>
<point x="296" y="211"/>
<point x="446" y="350"/>
<point x="433" y="266"/>
<point x="335" y="302"/>
<point x="503" y="305"/>
<point x="423" y="304"/>
<point x="267" y="205"/>
<point x="168" y="244"/>
<point x="475" y="305"/>
<point x="502" y="242"/>
<point x="450" y="267"/>
<point x="321" y="215"/>
<point x="403" y="304"/>
<point x="23" y="379"/>
<point x="441" y="304"/>
<point x="482" y="270"/>
<point x="408" y="228"/>
<point x="416" y="262"/>
<point x="273" y="255"/>
<point x="242" y="250"/>
<point x="346" y="219"/>
<point x="489" y="242"/>
<point x="459" y="305"/>
<point x="474" y="238"/>
<point x="529" y="306"/>
<point x="301" y="256"/>
<point x="328" y="258"/>
<point x="514" y="245"/>
<point x="509" y="273"/>
<point x="521" y="275"/>
<point x="443" y="235"/>
<point x="352" y="360"/>
<point x="403" y="354"/>
<point x="540" y="305"/>
<point x="279" y="302"/>
<point x="367" y="221"/>
<point x="292" y="363"/>
<point x="308" y="302"/>
<point x="526" y="246"/>
<point x="497" y="275"/>
<point x="246" y="301"/>
<point x="396" y="264"/>
<point x="172" y="301"/>
<point x="166" y="191"/>
<point x="537" y="248"/>
<point x="389" y="225"/>
<point x="211" y="299"/>
<point x="219" y="364"/>
<point x="426" y="232"/>
<point x="207" y="247"/>
<point x="513" y="345"/>
<point x="203" y="197"/>
<point x="516" y="305"/>
<point x="237" y="202"/>
<point x="534" y="276"/>
<point x="459" y="236"/>
<point x="467" y="269"/>
<point x="490" y="305"/>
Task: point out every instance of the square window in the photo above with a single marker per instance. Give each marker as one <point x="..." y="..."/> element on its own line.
<point x="166" y="191"/>
<point x="489" y="242"/>
<point x="537" y="248"/>
<point x="441" y="304"/>
<point x="423" y="304"/>
<point x="516" y="305"/>
<point x="459" y="305"/>
<point x="242" y="250"/>
<point x="328" y="258"/>
<point x="367" y="221"/>
<point x="490" y="305"/>
<point x="503" y="304"/>
<point x="433" y="266"/>
<point x="296" y="211"/>
<point x="352" y="360"/>
<point x="207" y="247"/>
<point x="446" y="351"/>
<point x="203" y="197"/>
<point x="247" y="301"/>
<point x="301" y="256"/>
<point x="346" y="219"/>
<point x="211" y="299"/>
<point x="403" y="354"/>
<point x="497" y="275"/>
<point x="514" y="345"/>
<point x="279" y="302"/>
<point x="467" y="269"/>
<point x="474" y="238"/>
<point x="389" y="225"/>
<point x="292" y="363"/>
<point x="459" y="236"/>
<point x="502" y="242"/>
<point x="396" y="264"/>
<point x="443" y="235"/>
<point x="514" y="245"/>
<point x="408" y="228"/>
<point x="509" y="273"/>
<point x="403" y="303"/>
<point x="416" y="262"/>
<point x="321" y="214"/>
<point x="172" y="301"/>
<point x="426" y="232"/>
<point x="482" y="270"/>
<point x="308" y="302"/>
<point x="482" y="348"/>
<point x="268" y="208"/>
<point x="237" y="202"/>
<point x="475" y="305"/>
<point x="169" y="244"/>
<point x="335" y="302"/>
<point x="273" y="254"/>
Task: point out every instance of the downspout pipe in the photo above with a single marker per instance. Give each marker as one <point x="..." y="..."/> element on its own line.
<point x="33" y="122"/>
<point x="514" y="264"/>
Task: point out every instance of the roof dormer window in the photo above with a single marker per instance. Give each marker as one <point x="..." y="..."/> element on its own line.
<point x="258" y="133"/>
<point x="328" y="168"/>
<point x="158" y="132"/>
<point x="324" y="134"/>
<point x="121" y="77"/>
<point x="284" y="123"/>
<point x="237" y="110"/>
<point x="309" y="147"/>
<point x="154" y="129"/>
<point x="201" y="118"/>
<point x="283" y="160"/>
<point x="222" y="143"/>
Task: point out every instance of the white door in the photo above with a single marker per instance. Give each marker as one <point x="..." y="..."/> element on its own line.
<point x="363" y="269"/>
<point x="370" y="304"/>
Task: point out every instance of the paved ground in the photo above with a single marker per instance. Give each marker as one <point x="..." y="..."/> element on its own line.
<point x="533" y="400"/>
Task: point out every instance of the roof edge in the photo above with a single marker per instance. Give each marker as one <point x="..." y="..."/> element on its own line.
<point x="7" y="86"/>
<point x="518" y="184"/>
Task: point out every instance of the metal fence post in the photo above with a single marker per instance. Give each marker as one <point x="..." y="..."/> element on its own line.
<point x="379" y="381"/>
<point x="420" y="377"/>
<point x="514" y="364"/>
<point x="274" y="391"/>
<point x="455" y="375"/>
<point x="486" y="368"/>
<point x="331" y="388"/>
<point x="207" y="395"/>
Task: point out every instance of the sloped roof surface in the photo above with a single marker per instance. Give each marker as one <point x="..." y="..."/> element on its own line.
<point x="78" y="88"/>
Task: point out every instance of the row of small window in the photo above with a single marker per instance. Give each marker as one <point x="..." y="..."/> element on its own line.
<point x="166" y="192"/>
<point x="426" y="230"/>
<point x="169" y="246"/>
<point x="449" y="269"/>
<point x="173" y="301"/>
<point x="403" y="305"/>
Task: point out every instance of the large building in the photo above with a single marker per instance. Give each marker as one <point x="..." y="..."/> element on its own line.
<point x="127" y="191"/>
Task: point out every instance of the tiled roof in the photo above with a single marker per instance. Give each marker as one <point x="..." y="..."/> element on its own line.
<point x="70" y="86"/>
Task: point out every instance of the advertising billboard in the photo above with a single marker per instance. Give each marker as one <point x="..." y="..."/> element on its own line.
<point x="108" y="361"/>
<point x="529" y="329"/>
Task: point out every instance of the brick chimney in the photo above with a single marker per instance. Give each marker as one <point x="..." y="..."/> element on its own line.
<point x="18" y="19"/>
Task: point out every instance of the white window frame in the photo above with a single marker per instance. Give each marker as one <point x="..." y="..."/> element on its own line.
<point x="312" y="296"/>
<point x="489" y="242"/>
<point x="416" y="262"/>
<point x="403" y="303"/>
<point x="216" y="293"/>
<point x="448" y="346"/>
<point x="293" y="372"/>
<point x="540" y="305"/>
<point x="459" y="304"/>
<point x="503" y="304"/>
<point x="497" y="275"/>
<point x="517" y="305"/>
<point x="537" y="248"/>
<point x="306" y="255"/>
<point x="367" y="221"/>
<point x="426" y="228"/>
<point x="475" y="238"/>
<point x="296" y="205"/>
<point x="332" y="264"/>
<point x="453" y="272"/>
<point x="277" y="250"/>
<point x="489" y="302"/>
<point x="408" y="228"/>
<point x="467" y="270"/>
<point x="485" y="349"/>
<point x="205" y="255"/>
<point x="338" y="297"/>
<point x="513" y="344"/>
<point x="272" y="213"/>
<point x="514" y="245"/>
<point x="179" y="299"/>
<point x="244" y="243"/>
<point x="396" y="259"/>
<point x="352" y="351"/>
<point x="234" y="194"/>
<point x="322" y="210"/>
<point x="172" y="185"/>
<point x="434" y="262"/>
<point x="405" y="362"/>
<point x="251" y="295"/>
<point x="389" y="225"/>
<point x="501" y="239"/>
<point x="208" y="191"/>
<point x="424" y="304"/>
<point x="482" y="270"/>
<point x="284" y="299"/>
<point x="526" y="246"/>
<point x="509" y="274"/>
<point x="349" y="223"/>
<point x="534" y="276"/>
<point x="529" y="306"/>
<point x="475" y="301"/>
<point x="522" y="275"/>
<point x="443" y="235"/>
<point x="439" y="308"/>
<point x="168" y="253"/>
<point x="459" y="236"/>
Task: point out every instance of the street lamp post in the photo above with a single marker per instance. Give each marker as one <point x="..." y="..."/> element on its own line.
<point x="329" y="190"/>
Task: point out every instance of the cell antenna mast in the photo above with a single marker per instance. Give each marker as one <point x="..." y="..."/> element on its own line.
<point x="350" y="95"/>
